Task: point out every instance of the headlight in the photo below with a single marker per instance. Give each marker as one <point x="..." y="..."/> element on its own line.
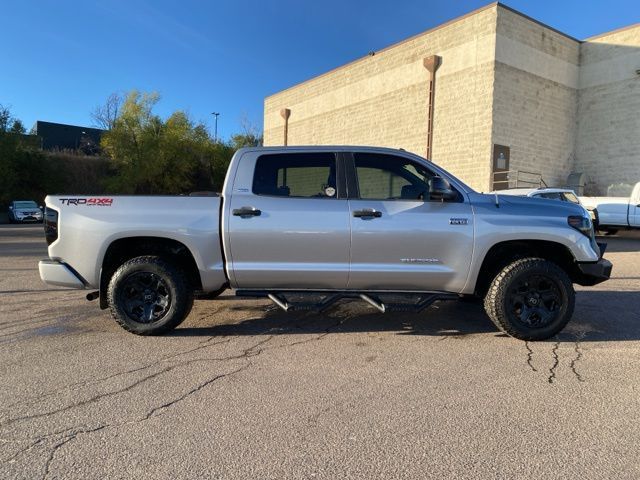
<point x="582" y="224"/>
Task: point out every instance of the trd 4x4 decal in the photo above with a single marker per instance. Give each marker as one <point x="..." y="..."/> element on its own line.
<point x="90" y="202"/>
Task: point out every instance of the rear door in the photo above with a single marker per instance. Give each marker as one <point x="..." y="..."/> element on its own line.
<point x="401" y="239"/>
<point x="288" y="222"/>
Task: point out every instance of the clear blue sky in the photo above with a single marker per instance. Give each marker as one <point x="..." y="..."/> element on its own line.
<point x="59" y="58"/>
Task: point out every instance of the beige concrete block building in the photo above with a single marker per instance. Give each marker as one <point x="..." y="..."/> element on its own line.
<point x="495" y="97"/>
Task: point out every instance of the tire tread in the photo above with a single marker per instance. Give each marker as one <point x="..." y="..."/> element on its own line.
<point x="495" y="297"/>
<point x="178" y="277"/>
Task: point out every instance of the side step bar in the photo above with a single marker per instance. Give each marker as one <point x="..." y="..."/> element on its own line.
<point x="415" y="302"/>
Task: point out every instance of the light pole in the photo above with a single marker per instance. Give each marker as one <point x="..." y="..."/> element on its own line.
<point x="215" y="134"/>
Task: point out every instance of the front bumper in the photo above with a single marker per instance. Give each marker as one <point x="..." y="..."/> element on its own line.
<point x="29" y="218"/>
<point x="593" y="273"/>
<point x="56" y="273"/>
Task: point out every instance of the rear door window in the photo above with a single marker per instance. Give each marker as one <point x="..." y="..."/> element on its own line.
<point x="300" y="175"/>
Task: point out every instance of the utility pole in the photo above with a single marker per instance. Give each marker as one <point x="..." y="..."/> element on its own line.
<point x="215" y="134"/>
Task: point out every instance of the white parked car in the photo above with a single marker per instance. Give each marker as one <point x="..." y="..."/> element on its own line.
<point x="562" y="194"/>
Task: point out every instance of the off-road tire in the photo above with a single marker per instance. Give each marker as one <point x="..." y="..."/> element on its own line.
<point x="171" y="284"/>
<point x="502" y="298"/>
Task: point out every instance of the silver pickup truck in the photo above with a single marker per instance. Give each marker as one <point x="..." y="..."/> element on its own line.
<point x="309" y="226"/>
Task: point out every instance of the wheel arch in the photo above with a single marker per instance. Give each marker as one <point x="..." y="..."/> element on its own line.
<point x="123" y="249"/>
<point x="503" y="253"/>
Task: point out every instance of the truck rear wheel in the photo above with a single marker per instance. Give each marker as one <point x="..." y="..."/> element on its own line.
<point x="530" y="299"/>
<point x="149" y="296"/>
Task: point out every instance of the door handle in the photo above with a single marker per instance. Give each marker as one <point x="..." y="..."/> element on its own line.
<point x="367" y="213"/>
<point x="246" y="212"/>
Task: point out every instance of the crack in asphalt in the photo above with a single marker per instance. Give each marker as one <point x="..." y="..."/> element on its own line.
<point x="573" y="365"/>
<point x="70" y="434"/>
<point x="13" y="420"/>
<point x="64" y="441"/>
<point x="320" y="336"/>
<point x="194" y="390"/>
<point x="530" y="356"/>
<point x="577" y="348"/>
<point x="152" y="413"/>
<point x="72" y="386"/>
<point x="556" y="361"/>
<point x="247" y="353"/>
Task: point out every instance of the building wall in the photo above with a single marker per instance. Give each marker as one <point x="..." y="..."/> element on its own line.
<point x="535" y="94"/>
<point x="560" y="105"/>
<point x="608" y="133"/>
<point x="382" y="99"/>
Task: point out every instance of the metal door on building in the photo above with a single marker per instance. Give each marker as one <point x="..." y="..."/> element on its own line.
<point x="500" y="174"/>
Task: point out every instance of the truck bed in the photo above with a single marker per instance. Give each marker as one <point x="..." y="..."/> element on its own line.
<point x="92" y="223"/>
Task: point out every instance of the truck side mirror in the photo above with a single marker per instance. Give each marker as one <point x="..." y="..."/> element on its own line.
<point x="10" y="207"/>
<point x="441" y="189"/>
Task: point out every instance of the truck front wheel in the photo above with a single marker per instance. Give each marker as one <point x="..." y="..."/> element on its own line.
<point x="530" y="299"/>
<point x="149" y="295"/>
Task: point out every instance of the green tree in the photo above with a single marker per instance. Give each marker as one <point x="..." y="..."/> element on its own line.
<point x="18" y="127"/>
<point x="8" y="123"/>
<point x="24" y="173"/>
<point x="152" y="155"/>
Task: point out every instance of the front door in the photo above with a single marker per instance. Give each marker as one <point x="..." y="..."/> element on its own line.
<point x="401" y="239"/>
<point x="289" y="224"/>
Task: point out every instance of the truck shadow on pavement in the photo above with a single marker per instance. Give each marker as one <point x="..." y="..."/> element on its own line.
<point x="600" y="316"/>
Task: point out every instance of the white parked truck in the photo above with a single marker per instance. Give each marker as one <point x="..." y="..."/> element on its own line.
<point x="308" y="226"/>
<point x="616" y="213"/>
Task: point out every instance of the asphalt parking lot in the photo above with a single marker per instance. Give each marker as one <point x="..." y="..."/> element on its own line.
<point x="243" y="390"/>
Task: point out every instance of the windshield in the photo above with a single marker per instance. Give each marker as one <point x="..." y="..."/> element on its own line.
<point x="25" y="205"/>
<point x="571" y="197"/>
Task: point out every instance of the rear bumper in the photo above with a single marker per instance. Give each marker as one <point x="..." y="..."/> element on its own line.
<point x="56" y="273"/>
<point x="594" y="272"/>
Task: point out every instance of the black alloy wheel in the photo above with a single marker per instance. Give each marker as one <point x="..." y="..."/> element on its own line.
<point x="149" y="295"/>
<point x="535" y="300"/>
<point x="146" y="297"/>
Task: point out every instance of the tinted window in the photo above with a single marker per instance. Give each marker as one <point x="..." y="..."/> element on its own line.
<point x="296" y="175"/>
<point x="387" y="177"/>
